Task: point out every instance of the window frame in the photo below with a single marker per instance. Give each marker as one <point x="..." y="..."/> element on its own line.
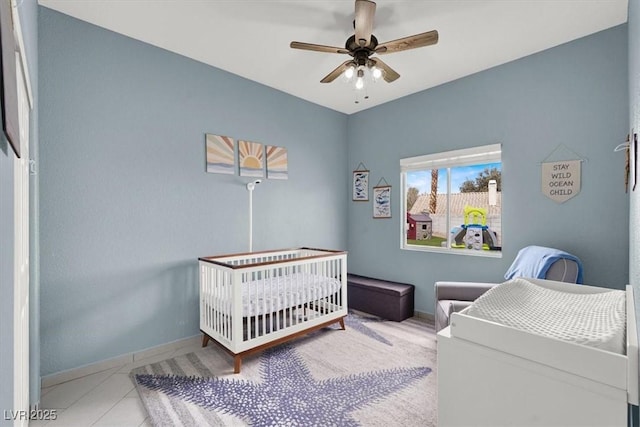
<point x="483" y="154"/>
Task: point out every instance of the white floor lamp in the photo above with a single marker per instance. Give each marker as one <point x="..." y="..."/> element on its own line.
<point x="251" y="186"/>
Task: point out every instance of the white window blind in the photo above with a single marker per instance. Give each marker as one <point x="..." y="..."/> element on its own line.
<point x="464" y="157"/>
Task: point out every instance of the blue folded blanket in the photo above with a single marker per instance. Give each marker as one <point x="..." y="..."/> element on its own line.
<point x="535" y="261"/>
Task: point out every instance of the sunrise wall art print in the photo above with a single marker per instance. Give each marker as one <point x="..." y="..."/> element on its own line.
<point x="251" y="158"/>
<point x="277" y="163"/>
<point x="220" y="154"/>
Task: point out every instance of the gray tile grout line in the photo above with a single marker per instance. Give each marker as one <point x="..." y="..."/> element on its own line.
<point x="107" y="411"/>
<point x="125" y="396"/>
<point x="88" y="391"/>
<point x="115" y="404"/>
<point x="84" y="394"/>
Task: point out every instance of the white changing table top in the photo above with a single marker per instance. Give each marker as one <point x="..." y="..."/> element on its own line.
<point x="615" y="369"/>
<point x="596" y="319"/>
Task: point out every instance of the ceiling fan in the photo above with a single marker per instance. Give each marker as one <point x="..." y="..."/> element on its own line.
<point x="363" y="44"/>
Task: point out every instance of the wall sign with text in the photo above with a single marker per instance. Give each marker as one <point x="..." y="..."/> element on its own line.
<point x="561" y="180"/>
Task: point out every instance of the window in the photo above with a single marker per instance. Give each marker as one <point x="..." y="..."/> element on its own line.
<point x="453" y="201"/>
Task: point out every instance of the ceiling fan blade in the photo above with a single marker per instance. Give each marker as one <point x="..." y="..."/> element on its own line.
<point x="335" y="73"/>
<point x="388" y="73"/>
<point x="318" y="47"/>
<point x="365" y="10"/>
<point x="406" y="43"/>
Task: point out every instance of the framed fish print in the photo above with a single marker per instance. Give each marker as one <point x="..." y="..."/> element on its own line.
<point x="361" y="186"/>
<point x="382" y="202"/>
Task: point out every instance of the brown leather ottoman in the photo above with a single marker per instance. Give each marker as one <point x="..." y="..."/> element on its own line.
<point x="390" y="300"/>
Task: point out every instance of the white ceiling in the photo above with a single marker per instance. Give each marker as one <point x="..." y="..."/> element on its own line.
<point x="251" y="38"/>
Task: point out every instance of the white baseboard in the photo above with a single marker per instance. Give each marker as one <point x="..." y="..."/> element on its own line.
<point x="72" y="374"/>
<point x="427" y="317"/>
<point x="174" y="345"/>
<point x="115" y="362"/>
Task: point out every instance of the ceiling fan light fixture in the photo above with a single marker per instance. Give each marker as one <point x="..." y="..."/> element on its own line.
<point x="376" y="73"/>
<point x="360" y="79"/>
<point x="349" y="71"/>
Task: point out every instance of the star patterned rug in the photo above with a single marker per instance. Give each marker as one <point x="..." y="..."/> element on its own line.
<point x="374" y="373"/>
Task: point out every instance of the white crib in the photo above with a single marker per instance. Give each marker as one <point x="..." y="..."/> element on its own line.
<point x="491" y="374"/>
<point x="252" y="301"/>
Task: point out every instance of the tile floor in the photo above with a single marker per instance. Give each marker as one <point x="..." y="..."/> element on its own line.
<point x="106" y="398"/>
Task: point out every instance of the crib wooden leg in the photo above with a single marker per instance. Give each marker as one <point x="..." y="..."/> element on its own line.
<point x="237" y="363"/>
<point x="342" y="323"/>
<point x="205" y="340"/>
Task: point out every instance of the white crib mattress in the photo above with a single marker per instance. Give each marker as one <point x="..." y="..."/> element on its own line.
<point x="277" y="293"/>
<point x="594" y="319"/>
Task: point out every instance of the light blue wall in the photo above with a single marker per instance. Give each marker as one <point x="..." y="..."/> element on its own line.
<point x="126" y="206"/>
<point x="574" y="94"/>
